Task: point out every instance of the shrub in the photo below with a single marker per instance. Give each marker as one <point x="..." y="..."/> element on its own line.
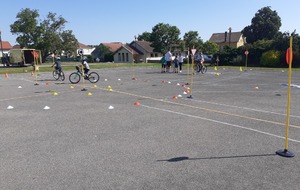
<point x="270" y="58"/>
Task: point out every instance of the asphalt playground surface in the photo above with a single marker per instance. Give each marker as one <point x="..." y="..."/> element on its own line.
<point x="55" y="136"/>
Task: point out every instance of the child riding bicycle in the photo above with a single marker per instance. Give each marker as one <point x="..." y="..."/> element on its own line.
<point x="86" y="67"/>
<point x="57" y="64"/>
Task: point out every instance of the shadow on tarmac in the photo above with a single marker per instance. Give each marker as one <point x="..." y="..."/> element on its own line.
<point x="178" y="159"/>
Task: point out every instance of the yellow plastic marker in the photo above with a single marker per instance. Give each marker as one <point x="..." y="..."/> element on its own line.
<point x="289" y="57"/>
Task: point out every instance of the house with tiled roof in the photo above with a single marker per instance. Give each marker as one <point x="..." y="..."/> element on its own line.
<point x="125" y="54"/>
<point x="140" y="51"/>
<point x="5" y="47"/>
<point x="87" y="50"/>
<point x="17" y="46"/>
<point x="232" y="39"/>
<point x="105" y="51"/>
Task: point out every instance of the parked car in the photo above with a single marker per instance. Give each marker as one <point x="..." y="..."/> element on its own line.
<point x="208" y="59"/>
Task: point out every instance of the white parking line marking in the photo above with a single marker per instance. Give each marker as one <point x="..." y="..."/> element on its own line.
<point x="221" y="122"/>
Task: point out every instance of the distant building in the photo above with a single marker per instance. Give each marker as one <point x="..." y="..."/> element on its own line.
<point x="87" y="50"/>
<point x="232" y="39"/>
<point x="5" y="48"/>
<point x="140" y="51"/>
<point x="105" y="51"/>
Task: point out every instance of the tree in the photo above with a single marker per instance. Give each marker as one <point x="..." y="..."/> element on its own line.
<point x="164" y="37"/>
<point x="105" y="53"/>
<point x="191" y="39"/>
<point x="210" y="48"/>
<point x="145" y="36"/>
<point x="47" y="35"/>
<point x="264" y="25"/>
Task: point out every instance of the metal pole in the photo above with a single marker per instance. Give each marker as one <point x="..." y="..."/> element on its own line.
<point x="229" y="35"/>
<point x="2" y="60"/>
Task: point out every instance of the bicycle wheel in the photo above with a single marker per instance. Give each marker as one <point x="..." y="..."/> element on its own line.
<point x="62" y="75"/>
<point x="55" y="75"/>
<point x="93" y="77"/>
<point x="197" y="68"/>
<point x="74" y="78"/>
<point x="203" y="69"/>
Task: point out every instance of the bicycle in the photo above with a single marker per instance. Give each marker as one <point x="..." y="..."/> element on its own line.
<point x="200" y="67"/>
<point x="75" y="77"/>
<point x="58" y="74"/>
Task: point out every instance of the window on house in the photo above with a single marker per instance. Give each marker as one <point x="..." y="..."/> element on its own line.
<point x="127" y="57"/>
<point x="155" y="55"/>
<point x="151" y="55"/>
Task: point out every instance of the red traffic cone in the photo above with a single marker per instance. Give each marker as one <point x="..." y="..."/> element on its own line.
<point x="136" y="103"/>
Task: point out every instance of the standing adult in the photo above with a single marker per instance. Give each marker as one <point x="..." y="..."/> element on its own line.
<point x="176" y="63"/>
<point x="168" y="56"/>
<point x="180" y="59"/>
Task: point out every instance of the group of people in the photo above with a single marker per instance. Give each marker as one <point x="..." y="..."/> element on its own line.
<point x="166" y="62"/>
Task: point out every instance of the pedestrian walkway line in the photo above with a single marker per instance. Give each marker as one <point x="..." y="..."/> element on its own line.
<point x="245" y="108"/>
<point x="219" y="122"/>
<point x="205" y="109"/>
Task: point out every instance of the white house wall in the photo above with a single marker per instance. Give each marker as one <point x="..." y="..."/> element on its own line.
<point x="123" y="56"/>
<point x="87" y="52"/>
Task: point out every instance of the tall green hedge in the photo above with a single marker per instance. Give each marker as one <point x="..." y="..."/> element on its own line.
<point x="270" y="58"/>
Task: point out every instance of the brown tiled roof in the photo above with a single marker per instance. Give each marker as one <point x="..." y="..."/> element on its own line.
<point x="220" y="37"/>
<point x="17" y="46"/>
<point x="113" y="47"/>
<point x="83" y="46"/>
<point x="6" y="45"/>
<point x="130" y="49"/>
<point x="144" y="44"/>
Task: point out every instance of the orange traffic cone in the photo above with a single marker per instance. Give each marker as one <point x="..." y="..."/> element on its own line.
<point x="6" y="75"/>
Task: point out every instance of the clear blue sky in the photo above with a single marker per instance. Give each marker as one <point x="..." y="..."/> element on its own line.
<point x="97" y="21"/>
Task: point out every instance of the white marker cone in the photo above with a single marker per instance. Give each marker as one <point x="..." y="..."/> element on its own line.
<point x="105" y="79"/>
<point x="10" y="107"/>
<point x="184" y="92"/>
<point x="178" y="84"/>
<point x="46" y="108"/>
<point x="19" y="86"/>
<point x="179" y="96"/>
<point x="119" y="79"/>
<point x="110" y="107"/>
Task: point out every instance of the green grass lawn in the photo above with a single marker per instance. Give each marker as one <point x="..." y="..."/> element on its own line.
<point x="68" y="66"/>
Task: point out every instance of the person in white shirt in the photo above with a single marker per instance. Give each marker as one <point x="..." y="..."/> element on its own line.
<point x="180" y="59"/>
<point x="86" y="66"/>
<point x="168" y="56"/>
